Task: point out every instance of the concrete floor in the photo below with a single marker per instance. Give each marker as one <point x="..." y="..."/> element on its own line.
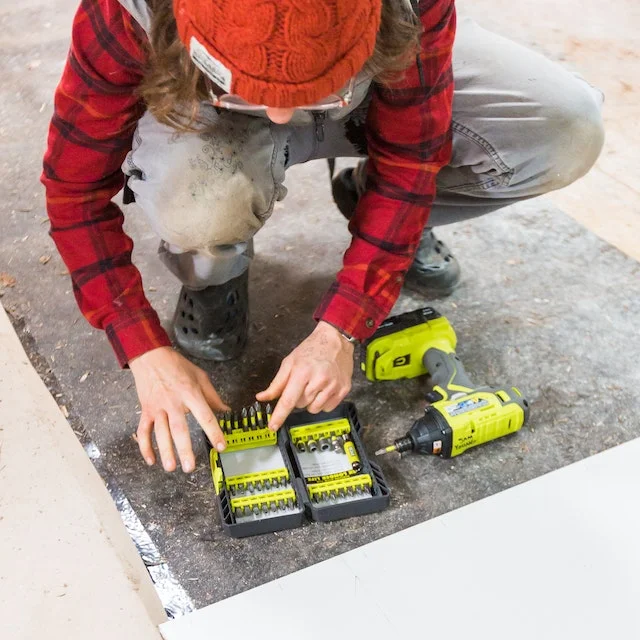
<point x="545" y="304"/>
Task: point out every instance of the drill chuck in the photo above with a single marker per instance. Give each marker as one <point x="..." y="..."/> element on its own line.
<point x="400" y="445"/>
<point x="403" y="444"/>
<point x="429" y="434"/>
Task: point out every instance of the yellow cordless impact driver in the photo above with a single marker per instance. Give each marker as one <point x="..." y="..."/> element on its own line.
<point x="460" y="415"/>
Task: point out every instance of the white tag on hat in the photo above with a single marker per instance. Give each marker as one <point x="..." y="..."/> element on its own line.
<point x="210" y="65"/>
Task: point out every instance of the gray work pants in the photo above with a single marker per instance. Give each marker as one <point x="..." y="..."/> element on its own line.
<point x="522" y="126"/>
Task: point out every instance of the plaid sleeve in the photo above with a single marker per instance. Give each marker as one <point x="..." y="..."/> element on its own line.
<point x="409" y="141"/>
<point x="95" y="114"/>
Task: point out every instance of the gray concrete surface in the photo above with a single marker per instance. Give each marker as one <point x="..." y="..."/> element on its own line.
<point x="545" y="305"/>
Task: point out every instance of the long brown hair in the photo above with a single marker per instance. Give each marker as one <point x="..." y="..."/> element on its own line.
<point x="173" y="86"/>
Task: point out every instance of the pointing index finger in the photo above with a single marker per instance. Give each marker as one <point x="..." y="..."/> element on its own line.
<point x="207" y="420"/>
<point x="287" y="402"/>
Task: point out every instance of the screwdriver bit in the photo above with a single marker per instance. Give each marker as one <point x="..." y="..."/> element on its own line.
<point x="258" y="409"/>
<point x="245" y="419"/>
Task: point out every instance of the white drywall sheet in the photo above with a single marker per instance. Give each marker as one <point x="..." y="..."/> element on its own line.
<point x="68" y="568"/>
<point x="555" y="558"/>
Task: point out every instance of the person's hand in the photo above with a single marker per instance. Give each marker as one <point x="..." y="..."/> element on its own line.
<point x="169" y="387"/>
<point x="316" y="375"/>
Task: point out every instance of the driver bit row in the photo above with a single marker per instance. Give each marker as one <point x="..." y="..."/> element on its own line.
<point x="334" y="494"/>
<point x="249" y="418"/>
<point x="259" y="485"/>
<point x="262" y="509"/>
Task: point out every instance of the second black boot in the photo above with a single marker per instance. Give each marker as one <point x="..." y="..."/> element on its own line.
<point x="435" y="272"/>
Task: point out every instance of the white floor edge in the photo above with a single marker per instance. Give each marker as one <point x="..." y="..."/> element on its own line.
<point x="556" y="557"/>
<point x="68" y="568"/>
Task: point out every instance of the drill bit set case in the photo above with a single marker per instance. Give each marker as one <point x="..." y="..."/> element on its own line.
<point x="314" y="467"/>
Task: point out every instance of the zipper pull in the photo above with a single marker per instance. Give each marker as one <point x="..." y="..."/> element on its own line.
<point x="319" y="117"/>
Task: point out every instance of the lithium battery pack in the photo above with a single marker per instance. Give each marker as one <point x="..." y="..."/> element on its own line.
<point x="314" y="468"/>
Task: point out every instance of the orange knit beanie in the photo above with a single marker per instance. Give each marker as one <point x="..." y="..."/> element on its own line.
<point x="280" y="53"/>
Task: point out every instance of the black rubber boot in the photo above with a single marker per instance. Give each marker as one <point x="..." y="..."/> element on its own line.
<point x="435" y="272"/>
<point x="345" y="194"/>
<point x="213" y="323"/>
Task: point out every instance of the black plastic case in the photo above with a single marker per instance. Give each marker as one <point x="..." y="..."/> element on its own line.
<point x="377" y="500"/>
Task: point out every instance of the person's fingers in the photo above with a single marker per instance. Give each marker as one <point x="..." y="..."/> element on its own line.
<point x="211" y="395"/>
<point x="277" y="385"/>
<point x="321" y="400"/>
<point x="288" y="401"/>
<point x="206" y="419"/>
<point x="163" y="440"/>
<point x="143" y="436"/>
<point x="182" y="441"/>
<point x="332" y="403"/>
<point x="329" y="398"/>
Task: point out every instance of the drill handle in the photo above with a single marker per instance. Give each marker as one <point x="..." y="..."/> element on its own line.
<point x="447" y="372"/>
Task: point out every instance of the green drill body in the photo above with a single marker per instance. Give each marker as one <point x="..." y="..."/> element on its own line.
<point x="461" y="415"/>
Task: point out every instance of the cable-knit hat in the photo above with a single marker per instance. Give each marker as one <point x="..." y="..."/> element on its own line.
<point x="280" y="53"/>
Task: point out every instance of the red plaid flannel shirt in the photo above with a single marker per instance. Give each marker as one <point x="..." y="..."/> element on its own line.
<point x="96" y="111"/>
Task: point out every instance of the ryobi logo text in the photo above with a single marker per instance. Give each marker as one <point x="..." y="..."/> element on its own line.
<point x="402" y="361"/>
